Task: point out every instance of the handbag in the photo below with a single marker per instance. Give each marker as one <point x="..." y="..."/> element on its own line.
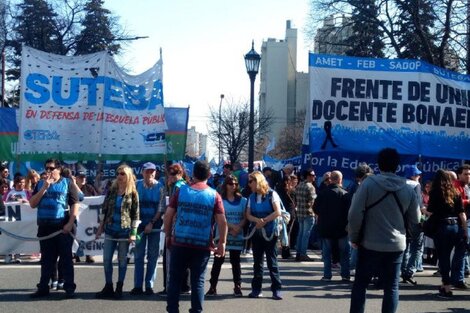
<point x="431" y="225"/>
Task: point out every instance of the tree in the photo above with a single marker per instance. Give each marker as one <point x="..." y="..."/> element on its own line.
<point x="97" y="33"/>
<point x="36" y="27"/>
<point x="234" y="124"/>
<point x="67" y="27"/>
<point x="439" y="26"/>
<point x="289" y="142"/>
<point x="366" y="39"/>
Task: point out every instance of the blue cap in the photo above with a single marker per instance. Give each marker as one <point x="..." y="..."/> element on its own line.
<point x="412" y="171"/>
<point x="149" y="166"/>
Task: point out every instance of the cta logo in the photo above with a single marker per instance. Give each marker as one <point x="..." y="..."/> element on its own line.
<point x="153" y="139"/>
<point x="41" y="134"/>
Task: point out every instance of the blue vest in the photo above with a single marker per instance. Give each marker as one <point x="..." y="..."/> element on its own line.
<point x="149" y="199"/>
<point x="193" y="225"/>
<point x="261" y="210"/>
<point x="114" y="229"/>
<point x="234" y="213"/>
<point x="53" y="204"/>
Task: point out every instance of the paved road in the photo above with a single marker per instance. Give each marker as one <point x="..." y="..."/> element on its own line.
<point x="303" y="292"/>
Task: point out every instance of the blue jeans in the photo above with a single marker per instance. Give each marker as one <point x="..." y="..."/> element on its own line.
<point x="344" y="253"/>
<point x="369" y="263"/>
<point x="303" y="236"/>
<point x="413" y="253"/>
<point x="108" y="252"/>
<point x="182" y="258"/>
<point x="152" y="242"/>
<point x="260" y="248"/>
<point x="447" y="238"/>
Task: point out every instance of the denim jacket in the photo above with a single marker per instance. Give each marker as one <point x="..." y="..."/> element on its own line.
<point x="129" y="208"/>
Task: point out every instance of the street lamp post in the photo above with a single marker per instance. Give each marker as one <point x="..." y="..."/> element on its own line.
<point x="220" y="128"/>
<point x="252" y="60"/>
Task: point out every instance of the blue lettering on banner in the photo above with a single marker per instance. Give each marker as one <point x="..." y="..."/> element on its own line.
<point x="117" y="94"/>
<point x="153" y="138"/>
<point x="40" y="134"/>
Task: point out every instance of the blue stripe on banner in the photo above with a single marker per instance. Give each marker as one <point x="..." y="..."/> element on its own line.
<point x="382" y="65"/>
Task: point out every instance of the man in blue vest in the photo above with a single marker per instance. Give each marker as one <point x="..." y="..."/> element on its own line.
<point x="188" y="225"/>
<point x="56" y="199"/>
<point x="149" y="199"/>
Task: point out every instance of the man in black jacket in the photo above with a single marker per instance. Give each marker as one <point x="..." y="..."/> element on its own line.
<point x="331" y="207"/>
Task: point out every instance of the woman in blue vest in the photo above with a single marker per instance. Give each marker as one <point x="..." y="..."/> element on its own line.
<point x="262" y="210"/>
<point x="176" y="178"/>
<point x="235" y="206"/>
<point x="119" y="221"/>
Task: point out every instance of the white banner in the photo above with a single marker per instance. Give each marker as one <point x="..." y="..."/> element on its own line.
<point x="20" y="220"/>
<point x="362" y="105"/>
<point x="87" y="104"/>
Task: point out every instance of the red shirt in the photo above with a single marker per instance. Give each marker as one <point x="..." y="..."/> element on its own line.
<point x="218" y="205"/>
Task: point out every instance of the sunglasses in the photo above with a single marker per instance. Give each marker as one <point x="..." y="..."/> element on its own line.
<point x="121" y="173"/>
<point x="50" y="168"/>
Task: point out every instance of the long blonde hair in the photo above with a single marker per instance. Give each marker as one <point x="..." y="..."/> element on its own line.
<point x="28" y="181"/>
<point x="130" y="179"/>
<point x="262" y="186"/>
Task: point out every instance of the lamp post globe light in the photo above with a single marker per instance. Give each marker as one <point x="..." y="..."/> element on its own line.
<point x="252" y="60"/>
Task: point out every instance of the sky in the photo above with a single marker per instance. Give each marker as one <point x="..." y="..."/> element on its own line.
<point x="203" y="45"/>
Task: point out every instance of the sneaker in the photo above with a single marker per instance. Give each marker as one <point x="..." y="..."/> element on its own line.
<point x="408" y="279"/>
<point x="237" y="291"/>
<point x="54" y="285"/>
<point x="136" y="291"/>
<point x="148" y="291"/>
<point x="460" y="285"/>
<point x="436" y="274"/>
<point x="212" y="292"/>
<point x="277" y="295"/>
<point x="76" y="259"/>
<point x="346" y="279"/>
<point x="297" y="258"/>
<point x="185" y="292"/>
<point x="249" y="251"/>
<point x="89" y="259"/>
<point x="444" y="294"/>
<point x="325" y="279"/>
<point x="60" y="286"/>
<point x="255" y="294"/>
<point x="40" y="293"/>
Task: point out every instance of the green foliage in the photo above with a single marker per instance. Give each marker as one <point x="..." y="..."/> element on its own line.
<point x="366" y="39"/>
<point x="97" y="32"/>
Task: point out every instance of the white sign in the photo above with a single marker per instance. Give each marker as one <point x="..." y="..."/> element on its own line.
<point x="87" y="104"/>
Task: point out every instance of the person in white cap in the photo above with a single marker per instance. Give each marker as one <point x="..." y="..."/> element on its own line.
<point x="149" y="199"/>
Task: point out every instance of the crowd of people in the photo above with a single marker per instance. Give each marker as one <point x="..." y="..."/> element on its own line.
<point x="371" y="229"/>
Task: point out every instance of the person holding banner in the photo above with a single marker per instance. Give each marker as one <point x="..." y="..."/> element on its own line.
<point x="52" y="197"/>
<point x="149" y="199"/>
<point x="119" y="221"/>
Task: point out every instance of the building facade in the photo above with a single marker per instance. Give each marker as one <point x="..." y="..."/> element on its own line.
<point x="284" y="92"/>
<point x="196" y="143"/>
